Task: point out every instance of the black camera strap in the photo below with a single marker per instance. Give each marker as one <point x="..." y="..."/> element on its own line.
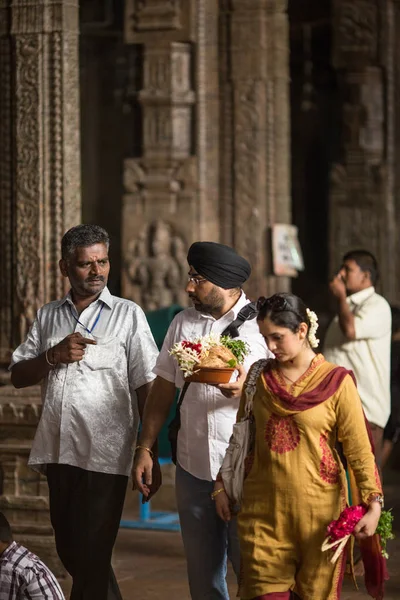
<point x="247" y="313"/>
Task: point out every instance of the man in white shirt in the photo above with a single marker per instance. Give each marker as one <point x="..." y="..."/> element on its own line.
<point x="94" y="355"/>
<point x="216" y="274"/>
<point x="359" y="337"/>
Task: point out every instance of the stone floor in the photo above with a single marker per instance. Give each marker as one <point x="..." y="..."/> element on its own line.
<point x="150" y="565"/>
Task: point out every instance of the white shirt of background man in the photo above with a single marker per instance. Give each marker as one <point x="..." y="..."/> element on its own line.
<point x="368" y="356"/>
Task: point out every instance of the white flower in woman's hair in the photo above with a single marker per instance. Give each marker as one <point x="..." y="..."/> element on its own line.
<point x="312" y="317"/>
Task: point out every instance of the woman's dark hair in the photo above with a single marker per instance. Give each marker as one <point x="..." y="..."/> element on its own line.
<point x="284" y="310"/>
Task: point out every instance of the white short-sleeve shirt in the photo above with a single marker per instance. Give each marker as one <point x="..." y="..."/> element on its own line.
<point x="368" y="356"/>
<point x="207" y="417"/>
<point x="89" y="416"/>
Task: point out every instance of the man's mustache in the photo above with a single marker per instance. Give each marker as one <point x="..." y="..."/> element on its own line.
<point x="99" y="278"/>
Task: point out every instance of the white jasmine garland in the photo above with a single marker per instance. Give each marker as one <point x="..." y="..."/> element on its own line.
<point x="190" y="353"/>
<point x="314" y="341"/>
<point x="188" y="356"/>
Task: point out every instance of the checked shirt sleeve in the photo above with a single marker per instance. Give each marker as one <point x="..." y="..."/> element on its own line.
<point x="41" y="584"/>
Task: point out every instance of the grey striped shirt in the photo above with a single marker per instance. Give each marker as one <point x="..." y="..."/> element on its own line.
<point x="24" y="576"/>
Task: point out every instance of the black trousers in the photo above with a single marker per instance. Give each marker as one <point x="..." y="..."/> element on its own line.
<point x="85" y="511"/>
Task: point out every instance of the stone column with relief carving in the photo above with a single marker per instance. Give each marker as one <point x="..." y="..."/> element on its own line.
<point x="362" y="207"/>
<point x="39" y="201"/>
<point x="255" y="158"/>
<point x="171" y="189"/>
<point x="39" y="155"/>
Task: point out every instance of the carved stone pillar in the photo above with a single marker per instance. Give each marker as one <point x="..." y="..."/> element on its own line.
<point x="362" y="207"/>
<point x="39" y="155"/>
<point x="179" y="184"/>
<point x="171" y="188"/>
<point x="39" y="201"/>
<point x="255" y="157"/>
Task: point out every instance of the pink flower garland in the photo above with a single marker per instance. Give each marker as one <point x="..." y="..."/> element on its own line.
<point x="345" y="524"/>
<point x="340" y="530"/>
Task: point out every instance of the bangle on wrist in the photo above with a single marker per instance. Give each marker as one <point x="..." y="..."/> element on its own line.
<point x="47" y="359"/>
<point x="144" y="448"/>
<point x="216" y="492"/>
<point x="376" y="498"/>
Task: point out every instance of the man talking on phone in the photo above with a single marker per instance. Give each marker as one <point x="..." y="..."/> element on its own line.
<point x="359" y="337"/>
<point x="94" y="355"/>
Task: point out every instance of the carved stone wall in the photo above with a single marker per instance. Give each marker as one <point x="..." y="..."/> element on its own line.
<point x="39" y="161"/>
<point x="214" y="162"/>
<point x="171" y="187"/>
<point x="362" y="201"/>
<point x="255" y="132"/>
<point x="39" y="201"/>
<point x="23" y="492"/>
<point x="155" y="266"/>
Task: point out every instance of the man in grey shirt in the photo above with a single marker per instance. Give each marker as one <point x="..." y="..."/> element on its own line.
<point x="94" y="355"/>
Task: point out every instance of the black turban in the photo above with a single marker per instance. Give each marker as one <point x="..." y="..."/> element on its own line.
<point x="219" y="264"/>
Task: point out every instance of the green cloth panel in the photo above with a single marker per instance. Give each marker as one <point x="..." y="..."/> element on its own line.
<point x="159" y="321"/>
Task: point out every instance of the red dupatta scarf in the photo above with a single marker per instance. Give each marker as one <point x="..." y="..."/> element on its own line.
<point x="329" y="385"/>
<point x="374" y="563"/>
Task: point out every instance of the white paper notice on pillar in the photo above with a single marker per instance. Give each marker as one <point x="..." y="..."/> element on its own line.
<point x="286" y="252"/>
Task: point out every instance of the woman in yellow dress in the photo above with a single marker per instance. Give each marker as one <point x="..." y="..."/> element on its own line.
<point x="296" y="483"/>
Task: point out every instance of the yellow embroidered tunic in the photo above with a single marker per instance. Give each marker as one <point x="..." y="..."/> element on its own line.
<point x="296" y="486"/>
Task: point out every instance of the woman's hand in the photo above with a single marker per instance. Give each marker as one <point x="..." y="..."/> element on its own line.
<point x="222" y="503"/>
<point x="366" y="527"/>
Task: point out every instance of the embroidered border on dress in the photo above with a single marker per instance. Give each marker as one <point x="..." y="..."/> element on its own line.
<point x="378" y="479"/>
<point x="329" y="469"/>
<point x="316" y="362"/>
<point x="282" y="434"/>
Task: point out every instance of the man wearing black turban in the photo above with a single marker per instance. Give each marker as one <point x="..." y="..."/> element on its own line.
<point x="216" y="275"/>
<point x="219" y="264"/>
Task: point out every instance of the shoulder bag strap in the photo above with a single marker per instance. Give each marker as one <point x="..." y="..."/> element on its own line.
<point x="248" y="312"/>
<point x="182" y="395"/>
<point x="251" y="384"/>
